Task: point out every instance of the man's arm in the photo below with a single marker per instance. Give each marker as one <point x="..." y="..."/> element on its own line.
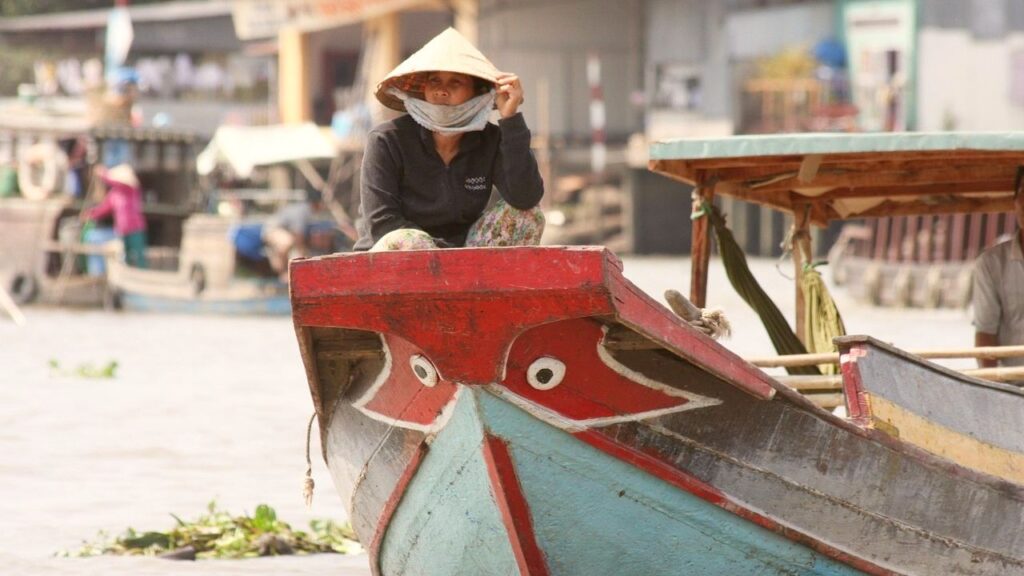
<point x="987" y="305"/>
<point x="985" y="339"/>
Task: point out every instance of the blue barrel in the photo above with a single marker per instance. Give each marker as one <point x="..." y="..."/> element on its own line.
<point x="94" y="263"/>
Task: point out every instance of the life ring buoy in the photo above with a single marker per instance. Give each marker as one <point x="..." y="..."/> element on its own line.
<point x="23" y="289"/>
<point x="42" y="170"/>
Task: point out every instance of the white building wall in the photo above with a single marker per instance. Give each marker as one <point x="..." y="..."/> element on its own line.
<point x="767" y="31"/>
<point x="966" y="84"/>
<point x="547" y="45"/>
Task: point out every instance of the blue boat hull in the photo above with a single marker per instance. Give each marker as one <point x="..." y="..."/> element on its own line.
<point x="591" y="513"/>
<point x="275" y="306"/>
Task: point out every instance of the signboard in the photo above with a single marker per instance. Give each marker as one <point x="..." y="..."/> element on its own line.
<point x="881" y="52"/>
<point x="255" y="19"/>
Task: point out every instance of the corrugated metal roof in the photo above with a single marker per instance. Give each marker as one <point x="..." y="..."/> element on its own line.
<point x="85" y="19"/>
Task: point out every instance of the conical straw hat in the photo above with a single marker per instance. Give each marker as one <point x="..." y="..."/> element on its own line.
<point x="122" y="174"/>
<point x="449" y="51"/>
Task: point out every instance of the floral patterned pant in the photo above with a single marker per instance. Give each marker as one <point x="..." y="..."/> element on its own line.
<point x="500" y="225"/>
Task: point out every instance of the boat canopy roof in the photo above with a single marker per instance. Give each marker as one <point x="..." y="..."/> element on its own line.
<point x="841" y="176"/>
<point x="243" y="148"/>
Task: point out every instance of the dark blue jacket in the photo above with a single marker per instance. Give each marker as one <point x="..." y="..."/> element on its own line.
<point x="405" y="184"/>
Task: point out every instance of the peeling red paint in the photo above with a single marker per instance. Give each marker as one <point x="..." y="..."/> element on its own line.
<point x="403" y="398"/>
<point x="391" y="506"/>
<point x="590" y="388"/>
<point x="858" y="407"/>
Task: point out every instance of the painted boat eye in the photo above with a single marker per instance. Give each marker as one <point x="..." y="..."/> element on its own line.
<point x="424" y="370"/>
<point x="545" y="373"/>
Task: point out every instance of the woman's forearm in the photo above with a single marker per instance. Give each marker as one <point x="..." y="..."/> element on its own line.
<point x="519" y="182"/>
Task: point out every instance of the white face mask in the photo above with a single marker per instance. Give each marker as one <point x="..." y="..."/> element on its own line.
<point x="469" y="116"/>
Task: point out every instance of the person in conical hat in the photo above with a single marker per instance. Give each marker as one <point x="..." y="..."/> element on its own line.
<point x="427" y="176"/>
<point x="123" y="201"/>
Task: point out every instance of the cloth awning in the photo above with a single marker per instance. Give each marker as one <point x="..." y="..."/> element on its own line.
<point x="242" y="148"/>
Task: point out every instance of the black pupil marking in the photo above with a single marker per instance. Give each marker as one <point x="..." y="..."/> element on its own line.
<point x="421" y="371"/>
<point x="544" y="375"/>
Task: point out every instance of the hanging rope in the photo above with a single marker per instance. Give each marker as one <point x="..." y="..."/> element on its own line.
<point x="308" y="484"/>
<point x="822" y="321"/>
<point x="743" y="281"/>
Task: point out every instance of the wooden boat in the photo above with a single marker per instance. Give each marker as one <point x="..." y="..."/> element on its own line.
<point x="201" y="278"/>
<point x="563" y="422"/>
<point x="557" y="420"/>
<point x="205" y="274"/>
<point x="41" y="253"/>
<point x="958" y="417"/>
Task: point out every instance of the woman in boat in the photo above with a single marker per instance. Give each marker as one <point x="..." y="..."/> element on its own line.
<point x="123" y="200"/>
<point x="427" y="176"/>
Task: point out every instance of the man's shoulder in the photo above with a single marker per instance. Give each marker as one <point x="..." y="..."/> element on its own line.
<point x="995" y="257"/>
<point x="1001" y="249"/>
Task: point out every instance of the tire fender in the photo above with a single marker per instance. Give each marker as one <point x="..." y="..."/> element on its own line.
<point x="41" y="171"/>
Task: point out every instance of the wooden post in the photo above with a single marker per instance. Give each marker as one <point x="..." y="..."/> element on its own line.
<point x="801" y="254"/>
<point x="466" y="14"/>
<point x="700" y="251"/>
<point x="383" y="49"/>
<point x="956" y="236"/>
<point x="294" y="98"/>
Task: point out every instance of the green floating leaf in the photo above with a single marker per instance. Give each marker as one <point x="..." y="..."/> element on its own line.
<point x="265" y="518"/>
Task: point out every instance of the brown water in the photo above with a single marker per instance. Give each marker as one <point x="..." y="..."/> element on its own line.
<point x="207" y="408"/>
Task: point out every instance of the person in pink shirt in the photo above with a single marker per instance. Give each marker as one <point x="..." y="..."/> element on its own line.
<point x="124" y="201"/>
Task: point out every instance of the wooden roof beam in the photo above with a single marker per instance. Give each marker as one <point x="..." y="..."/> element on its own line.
<point x="955" y="188"/>
<point x="829" y="177"/>
<point x="960" y="206"/>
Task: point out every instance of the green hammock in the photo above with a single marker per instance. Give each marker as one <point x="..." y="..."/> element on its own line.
<point x="743" y="281"/>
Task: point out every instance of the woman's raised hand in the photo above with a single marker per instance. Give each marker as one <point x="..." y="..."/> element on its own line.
<point x="510" y="94"/>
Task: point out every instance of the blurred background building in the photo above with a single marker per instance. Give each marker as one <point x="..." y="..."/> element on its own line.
<point x="603" y="78"/>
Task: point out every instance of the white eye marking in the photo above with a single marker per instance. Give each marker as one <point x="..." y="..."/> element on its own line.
<point x="424" y="370"/>
<point x="545" y="373"/>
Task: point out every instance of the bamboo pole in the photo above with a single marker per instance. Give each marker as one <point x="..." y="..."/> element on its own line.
<point x="826" y="401"/>
<point x="836" y="382"/>
<point x="833" y="357"/>
<point x="700" y="248"/>
<point x="801" y="251"/>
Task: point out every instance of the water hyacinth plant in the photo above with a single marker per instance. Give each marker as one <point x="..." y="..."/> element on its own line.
<point x="218" y="534"/>
<point x="86" y="370"/>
